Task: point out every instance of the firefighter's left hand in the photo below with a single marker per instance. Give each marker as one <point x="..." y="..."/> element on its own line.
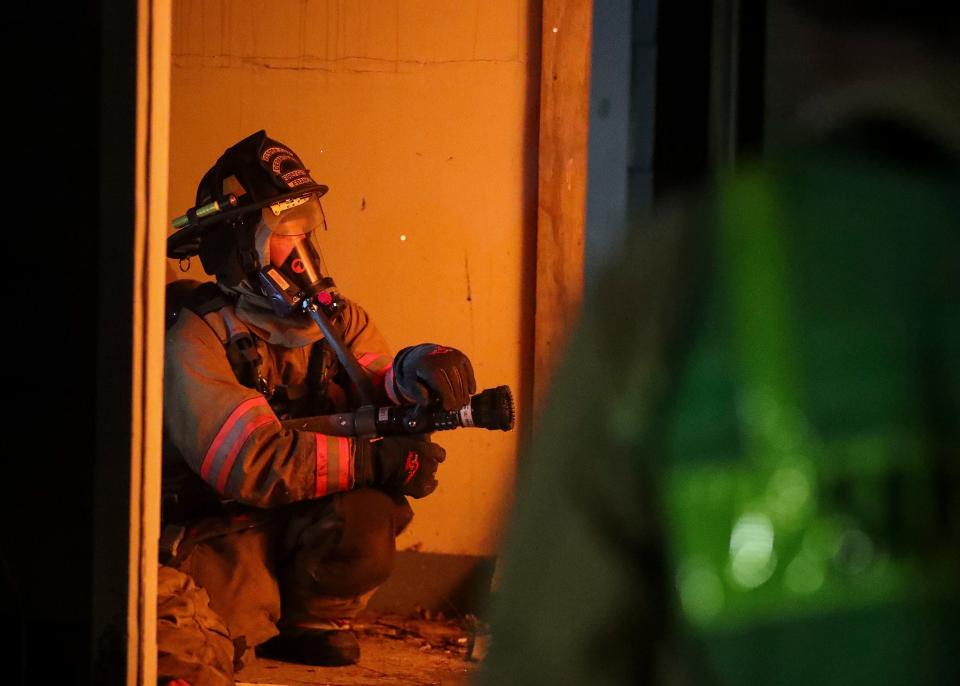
<point x="430" y="371"/>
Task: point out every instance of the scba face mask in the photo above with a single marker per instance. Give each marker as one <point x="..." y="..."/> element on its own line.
<point x="293" y="268"/>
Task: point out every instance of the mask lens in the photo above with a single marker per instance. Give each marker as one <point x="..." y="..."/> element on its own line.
<point x="298" y="259"/>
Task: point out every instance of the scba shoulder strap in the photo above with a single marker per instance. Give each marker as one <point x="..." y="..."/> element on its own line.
<point x="205" y="299"/>
<point x="193" y="295"/>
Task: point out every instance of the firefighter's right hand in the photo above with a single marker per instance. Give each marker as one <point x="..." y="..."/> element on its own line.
<point x="401" y="464"/>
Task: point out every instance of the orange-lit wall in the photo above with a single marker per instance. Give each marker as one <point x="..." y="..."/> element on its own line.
<point x="421" y="117"/>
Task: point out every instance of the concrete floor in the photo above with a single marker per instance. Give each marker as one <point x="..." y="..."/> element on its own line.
<point x="395" y="651"/>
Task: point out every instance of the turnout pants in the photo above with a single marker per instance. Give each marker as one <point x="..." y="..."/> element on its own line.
<point x="308" y="565"/>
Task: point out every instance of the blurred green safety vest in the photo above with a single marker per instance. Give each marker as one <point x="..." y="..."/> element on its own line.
<point x="812" y="490"/>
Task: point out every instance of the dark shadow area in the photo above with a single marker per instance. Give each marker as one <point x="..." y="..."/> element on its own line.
<point x="53" y="146"/>
<point x="459" y="585"/>
<point x="531" y="162"/>
<point x="682" y="110"/>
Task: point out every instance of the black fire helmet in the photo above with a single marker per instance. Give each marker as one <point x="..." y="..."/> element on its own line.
<point x="258" y="171"/>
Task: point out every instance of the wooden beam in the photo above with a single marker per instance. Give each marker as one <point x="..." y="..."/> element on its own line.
<point x="154" y="31"/>
<point x="562" y="188"/>
<point x="134" y="169"/>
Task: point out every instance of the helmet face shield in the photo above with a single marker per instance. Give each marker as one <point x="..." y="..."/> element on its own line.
<point x="294" y="216"/>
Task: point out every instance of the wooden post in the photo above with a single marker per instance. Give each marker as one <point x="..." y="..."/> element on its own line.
<point x="135" y="130"/>
<point x="562" y="188"/>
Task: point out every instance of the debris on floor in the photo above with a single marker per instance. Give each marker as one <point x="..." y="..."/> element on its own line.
<point x="419" y="650"/>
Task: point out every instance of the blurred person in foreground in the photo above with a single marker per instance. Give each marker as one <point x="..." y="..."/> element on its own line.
<point x="748" y="469"/>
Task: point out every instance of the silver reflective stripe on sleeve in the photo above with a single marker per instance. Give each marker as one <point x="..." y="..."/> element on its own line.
<point x="466" y="416"/>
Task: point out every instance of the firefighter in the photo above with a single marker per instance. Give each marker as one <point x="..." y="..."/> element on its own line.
<point x="275" y="538"/>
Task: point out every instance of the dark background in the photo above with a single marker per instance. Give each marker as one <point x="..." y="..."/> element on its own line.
<point x="53" y="69"/>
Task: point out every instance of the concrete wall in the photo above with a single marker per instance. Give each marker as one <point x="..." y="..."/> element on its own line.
<point x="421" y="117"/>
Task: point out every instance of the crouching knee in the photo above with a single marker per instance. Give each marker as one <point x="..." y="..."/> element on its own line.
<point x="352" y="551"/>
